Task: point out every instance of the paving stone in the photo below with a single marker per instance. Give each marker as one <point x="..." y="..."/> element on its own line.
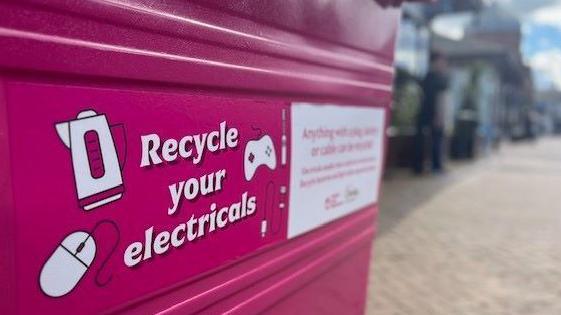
<point x="485" y="238"/>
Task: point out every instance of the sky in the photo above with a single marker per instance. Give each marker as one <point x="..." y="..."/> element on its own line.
<point x="542" y="44"/>
<point x="541" y="27"/>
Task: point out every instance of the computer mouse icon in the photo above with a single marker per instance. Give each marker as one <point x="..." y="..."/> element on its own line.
<point x="67" y="264"/>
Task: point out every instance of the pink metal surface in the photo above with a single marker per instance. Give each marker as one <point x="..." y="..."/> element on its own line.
<point x="274" y="52"/>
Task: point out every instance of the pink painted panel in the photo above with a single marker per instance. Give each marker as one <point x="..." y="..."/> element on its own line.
<point x="48" y="180"/>
<point x="175" y="69"/>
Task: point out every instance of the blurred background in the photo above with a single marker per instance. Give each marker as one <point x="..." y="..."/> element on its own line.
<point x="480" y="231"/>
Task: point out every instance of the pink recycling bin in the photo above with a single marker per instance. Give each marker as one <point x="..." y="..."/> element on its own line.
<point x="199" y="157"/>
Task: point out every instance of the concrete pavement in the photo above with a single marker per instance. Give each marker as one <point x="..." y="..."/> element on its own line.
<point x="483" y="239"/>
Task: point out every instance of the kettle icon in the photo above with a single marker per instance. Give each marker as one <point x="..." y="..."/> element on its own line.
<point x="97" y="165"/>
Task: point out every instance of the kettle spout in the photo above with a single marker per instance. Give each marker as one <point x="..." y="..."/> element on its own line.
<point x="63" y="131"/>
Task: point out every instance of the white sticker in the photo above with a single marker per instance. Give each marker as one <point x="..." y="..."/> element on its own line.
<point x="336" y="163"/>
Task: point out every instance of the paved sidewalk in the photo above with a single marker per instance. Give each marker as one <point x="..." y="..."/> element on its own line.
<point x="483" y="239"/>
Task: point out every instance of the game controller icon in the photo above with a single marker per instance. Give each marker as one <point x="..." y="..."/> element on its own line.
<point x="257" y="153"/>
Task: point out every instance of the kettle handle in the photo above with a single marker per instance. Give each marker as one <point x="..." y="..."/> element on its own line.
<point x="120" y="140"/>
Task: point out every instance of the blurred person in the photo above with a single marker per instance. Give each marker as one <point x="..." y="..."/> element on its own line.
<point x="431" y="115"/>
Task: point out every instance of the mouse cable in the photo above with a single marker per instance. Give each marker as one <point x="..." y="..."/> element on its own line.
<point x="81" y="246"/>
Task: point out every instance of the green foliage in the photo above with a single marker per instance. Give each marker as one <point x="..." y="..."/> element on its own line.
<point x="407" y="100"/>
